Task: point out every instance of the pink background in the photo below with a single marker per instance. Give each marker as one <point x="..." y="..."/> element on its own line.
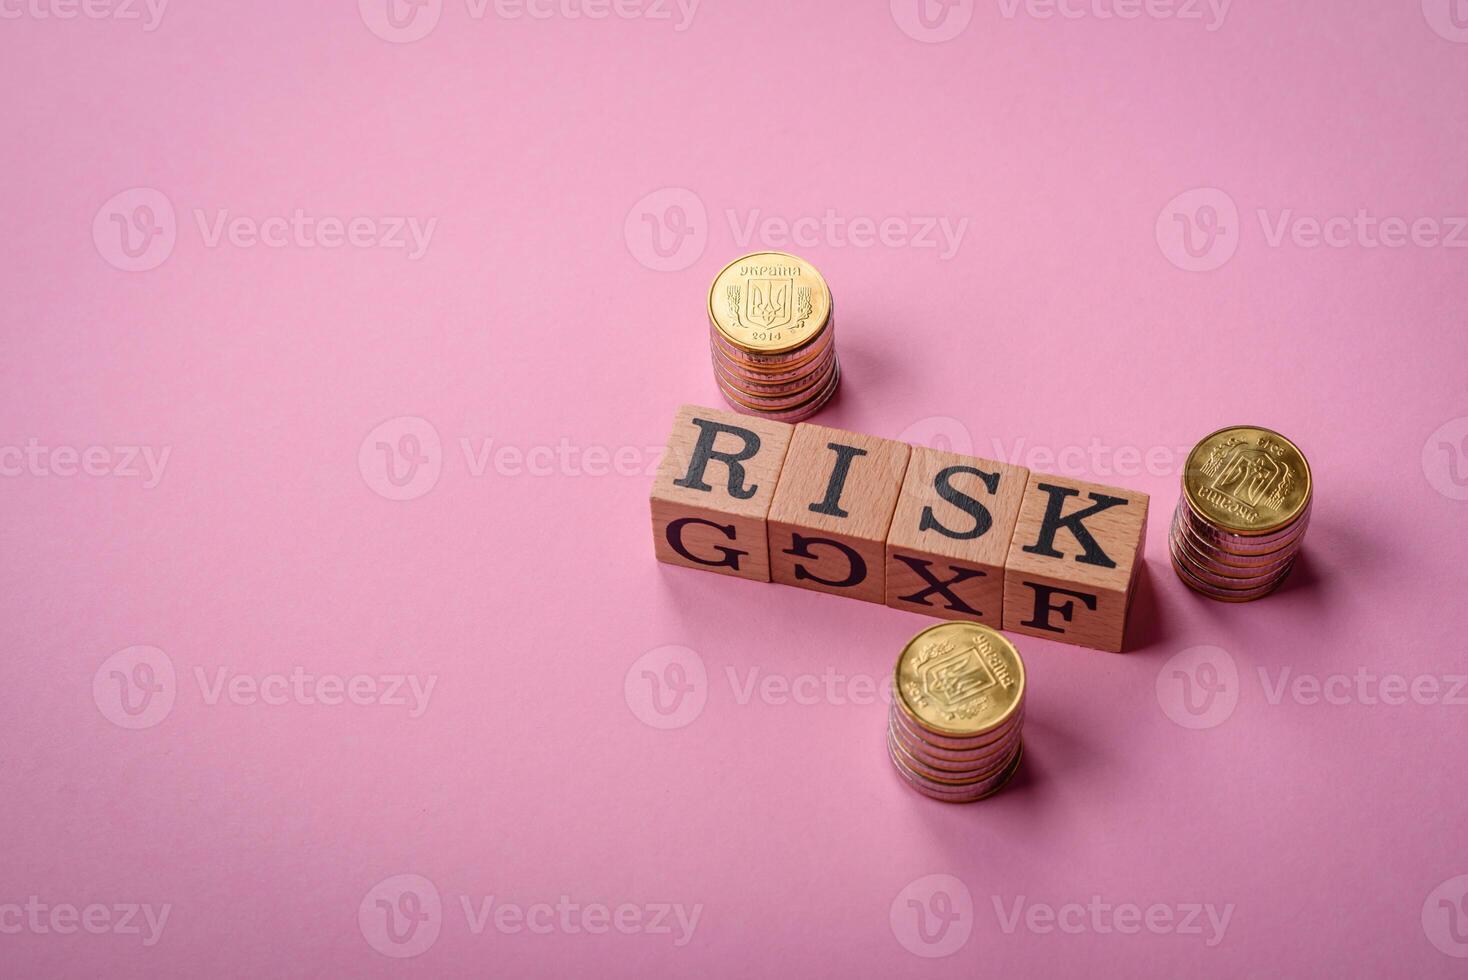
<point x="540" y="315"/>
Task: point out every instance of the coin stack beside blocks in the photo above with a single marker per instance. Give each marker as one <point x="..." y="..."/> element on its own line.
<point x="773" y="336"/>
<point x="953" y="731"/>
<point x="1242" y="515"/>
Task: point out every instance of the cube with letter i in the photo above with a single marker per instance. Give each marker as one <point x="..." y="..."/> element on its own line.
<point x="1073" y="561"/>
<point x="713" y="490"/>
<point x="832" y="509"/>
<point x="950" y="536"/>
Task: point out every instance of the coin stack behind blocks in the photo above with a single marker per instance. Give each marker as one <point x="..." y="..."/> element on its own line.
<point x="1242" y="515"/>
<point x="953" y="731"/>
<point x="773" y="337"/>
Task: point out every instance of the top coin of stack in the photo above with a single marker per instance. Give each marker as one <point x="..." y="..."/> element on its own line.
<point x="1242" y="515"/>
<point x="772" y="334"/>
<point x="958" y="703"/>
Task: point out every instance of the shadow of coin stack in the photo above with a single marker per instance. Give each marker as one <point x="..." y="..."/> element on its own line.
<point x="1241" y="519"/>
<point x="953" y="731"/>
<point x="772" y="334"/>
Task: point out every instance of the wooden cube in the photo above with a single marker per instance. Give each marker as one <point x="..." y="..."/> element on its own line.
<point x="832" y="508"/>
<point x="713" y="490"/>
<point x="1073" y="561"/>
<point x="950" y="536"/>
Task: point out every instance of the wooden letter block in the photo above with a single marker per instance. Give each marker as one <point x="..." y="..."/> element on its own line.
<point x="1073" y="562"/>
<point x="950" y="536"/>
<point x="713" y="491"/>
<point x="832" y="508"/>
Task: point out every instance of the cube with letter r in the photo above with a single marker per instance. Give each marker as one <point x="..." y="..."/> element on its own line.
<point x="1074" y="560"/>
<point x="711" y="498"/>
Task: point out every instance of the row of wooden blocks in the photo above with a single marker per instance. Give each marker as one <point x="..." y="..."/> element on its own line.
<point x="912" y="527"/>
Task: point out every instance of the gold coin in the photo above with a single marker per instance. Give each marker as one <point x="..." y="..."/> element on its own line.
<point x="769" y="302"/>
<point x="1247" y="480"/>
<point x="960" y="679"/>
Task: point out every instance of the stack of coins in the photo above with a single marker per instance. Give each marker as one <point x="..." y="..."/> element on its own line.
<point x="773" y="336"/>
<point x="1242" y="515"/>
<point x="953" y="731"/>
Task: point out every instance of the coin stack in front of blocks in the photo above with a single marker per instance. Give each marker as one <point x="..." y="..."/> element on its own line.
<point x="918" y="529"/>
